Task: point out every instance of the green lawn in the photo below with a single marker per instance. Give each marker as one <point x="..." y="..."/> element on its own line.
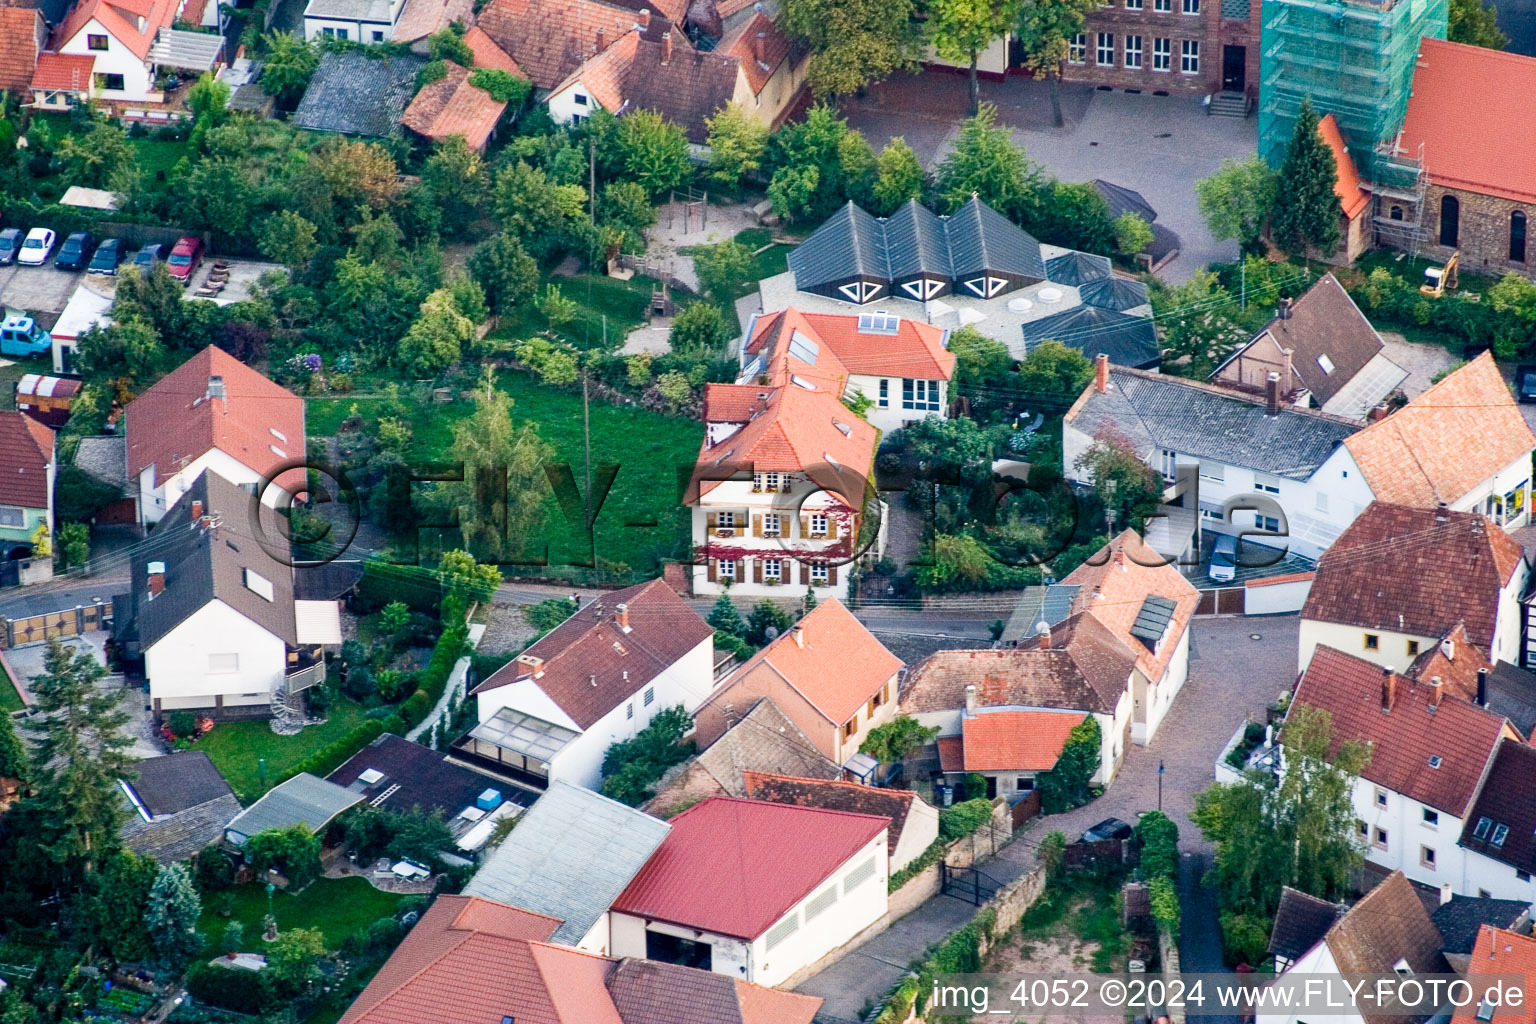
<point x="336" y="906"/>
<point x="597" y="296"/>
<point x="769" y="262"/>
<point x="10" y="700"/>
<point x="648" y="447"/>
<point x="151" y="155"/>
<point x="237" y="747"/>
<point x="1412" y="271"/>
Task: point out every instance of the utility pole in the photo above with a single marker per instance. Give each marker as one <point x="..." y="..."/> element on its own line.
<point x="586" y="434"/>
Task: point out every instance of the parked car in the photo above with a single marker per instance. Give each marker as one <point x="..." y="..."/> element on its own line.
<point x="1223" y="559"/>
<point x="20" y="335"/>
<point x="146" y="258"/>
<point x="1109" y="828"/>
<point x="109" y="255"/>
<point x="37" y="248"/>
<point x="76" y="251"/>
<point x="10" y="245"/>
<point x="185" y="257"/>
<point x="1525" y="382"/>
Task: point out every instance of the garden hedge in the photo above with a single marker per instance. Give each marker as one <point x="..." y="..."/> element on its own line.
<point x="233" y="988"/>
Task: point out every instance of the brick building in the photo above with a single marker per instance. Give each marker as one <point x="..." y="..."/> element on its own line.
<point x="1479" y="158"/>
<point x="1188" y="46"/>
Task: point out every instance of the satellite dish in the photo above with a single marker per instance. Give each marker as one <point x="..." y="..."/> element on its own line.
<point x="771" y="632"/>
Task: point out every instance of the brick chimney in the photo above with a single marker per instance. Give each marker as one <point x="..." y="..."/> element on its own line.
<point x="1101" y="373"/>
<point x="156" y="572"/>
<point x="1388" y="689"/>
<point x="1482" y="687"/>
<point x="1287" y="371"/>
<point x="1378" y="413"/>
<point x="666" y="47"/>
<point x="760" y="47"/>
<point x="1043" y="630"/>
<point x="621" y="616"/>
<point x="1272" y="394"/>
<point x="602" y="39"/>
<point x="197" y="510"/>
<point x="1436" y="690"/>
<point x="645" y="19"/>
<point x="970" y="698"/>
<point x="1283" y="310"/>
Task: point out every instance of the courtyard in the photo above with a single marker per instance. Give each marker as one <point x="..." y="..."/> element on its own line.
<point x="1156" y="145"/>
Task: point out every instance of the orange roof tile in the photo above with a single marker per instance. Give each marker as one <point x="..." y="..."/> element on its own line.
<point x="26" y="451"/>
<point x="1500" y="951"/>
<point x="1352" y="198"/>
<point x="421" y="18"/>
<point x="549" y="39"/>
<point x="1469" y="109"/>
<point x="1447" y="441"/>
<point x="915" y="350"/>
<point x="452" y="106"/>
<point x="120" y="18"/>
<point x="63" y="71"/>
<point x="258" y="423"/>
<point x="1114" y="591"/>
<point x="21" y="31"/>
<point x="488" y="54"/>
<point x="801" y="656"/>
<point x="1026" y="741"/>
<point x="603" y="76"/>
<point x="760" y="45"/>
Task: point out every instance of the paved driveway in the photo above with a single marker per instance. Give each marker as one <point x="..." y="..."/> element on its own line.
<point x="1230" y="676"/>
<point x="42" y="289"/>
<point x="1158" y="145"/>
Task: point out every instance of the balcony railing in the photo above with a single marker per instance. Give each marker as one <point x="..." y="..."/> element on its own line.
<point x="301" y="678"/>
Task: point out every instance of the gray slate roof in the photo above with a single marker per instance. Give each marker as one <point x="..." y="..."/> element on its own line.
<point x="1127" y="340"/>
<point x="1114" y="293"/>
<point x="913" y="240"/>
<point x="356" y="94"/>
<point x="105" y="458"/>
<point x="375" y="11"/>
<point x="1122" y="200"/>
<point x="1462" y="918"/>
<point x="1154" y="411"/>
<point x="304" y="799"/>
<point x="1077" y="268"/>
<point x="570" y="857"/>
<point x="179" y="836"/>
<point x="176" y="782"/>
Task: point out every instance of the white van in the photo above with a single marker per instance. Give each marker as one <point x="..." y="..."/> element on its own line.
<point x="1223" y="559"/>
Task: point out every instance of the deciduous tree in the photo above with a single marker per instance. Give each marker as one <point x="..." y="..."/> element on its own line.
<point x="737" y="142"/>
<point x="961" y="29"/>
<point x="987" y="164"/>
<point x="853" y="43"/>
<point x="501" y="502"/>
<point x="286" y="66"/>
<point x="699" y="331"/>
<point x="1054" y="371"/>
<point x="288" y="238"/>
<point x="1237" y="199"/>
<point x="1044" y="28"/>
<point x="655" y="151"/>
<point x="899" y="178"/>
<point x="1476" y="25"/>
<point x="1132" y="234"/>
<point x="506" y="272"/>
<point x="980" y="361"/>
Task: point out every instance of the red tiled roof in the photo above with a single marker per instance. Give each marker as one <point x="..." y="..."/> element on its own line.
<point x="734" y="867"/>
<point x="590" y="647"/>
<point x="1415" y="570"/>
<point x="452" y="106"/>
<point x="1405" y="739"/>
<point x="759" y="60"/>
<point x="951" y="754"/>
<point x="174" y="422"/>
<point x="1352" y="198"/>
<point x="686" y="88"/>
<point x="604" y="74"/>
<point x="652" y="992"/>
<point x="26" y="450"/>
<point x="421" y="18"/>
<point x="486" y="961"/>
<point x="1029" y="741"/>
<point x="1114" y="591"/>
<point x="488" y="54"/>
<point x="21" y="29"/>
<point x="915" y="350"/>
<point x="1500" y="951"/>
<point x="549" y="39"/>
<point x="120" y="19"/>
<point x="1447" y="441"/>
<point x="834" y="795"/>
<point x="63" y="71"/>
<point x="1469" y="108"/>
<point x="1458" y="670"/>
<point x="829" y="635"/>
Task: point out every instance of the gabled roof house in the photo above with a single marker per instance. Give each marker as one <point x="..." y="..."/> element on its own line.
<point x="114" y="51"/>
<point x="1499" y="836"/>
<point x="599" y="677"/>
<point x="179" y="803"/>
<point x="914" y="821"/>
<point x="28" y="466"/>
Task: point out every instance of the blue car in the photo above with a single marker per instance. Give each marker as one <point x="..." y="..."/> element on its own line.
<point x="109" y="255"/>
<point x="147" y="257"/>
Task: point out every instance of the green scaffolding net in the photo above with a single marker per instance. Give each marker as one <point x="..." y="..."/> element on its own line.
<point x="1355" y="58"/>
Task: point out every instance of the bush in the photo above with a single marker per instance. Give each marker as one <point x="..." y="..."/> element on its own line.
<point x="213" y="869"/>
<point x="1159" y="840"/>
<point x="632" y="767"/>
<point x="1245" y="938"/>
<point x="233" y="988"/>
<point x="294" y="851"/>
<point x="1066" y="785"/>
<point x="964" y="818"/>
<point x="1165" y="905"/>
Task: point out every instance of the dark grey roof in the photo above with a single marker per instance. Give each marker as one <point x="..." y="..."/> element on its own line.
<point x="175" y="782"/>
<point x="1077" y="268"/>
<point x="356" y="94"/>
<point x="54" y="11"/>
<point x="1127" y="340"/>
<point x="1460" y="919"/>
<point x="328" y="582"/>
<point x="1512" y="693"/>
<point x="1153" y="411"/>
<point x="1114" y="293"/>
<point x="852" y="244"/>
<point x="206" y="564"/>
<point x="1152" y="620"/>
<point x="180" y="835"/>
<point x="912" y="648"/>
<point x="1301" y="921"/>
<point x="570" y="857"/>
<point x="1051" y="603"/>
<point x="981" y="239"/>
<point x="414" y="776"/>
<point x="1122" y="200"/>
<point x="304" y="799"/>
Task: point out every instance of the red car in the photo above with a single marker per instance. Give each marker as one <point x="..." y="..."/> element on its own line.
<point x="185" y="257"/>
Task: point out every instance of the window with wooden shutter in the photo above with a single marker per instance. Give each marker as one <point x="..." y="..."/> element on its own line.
<point x="757" y="570"/>
<point x="805" y="525"/>
<point x="805" y="576"/>
<point x="713" y="570"/>
<point x="831" y="527"/>
<point x="711" y="519"/>
<point x="832" y="575"/>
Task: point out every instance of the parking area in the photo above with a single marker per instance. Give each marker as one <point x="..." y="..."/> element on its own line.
<point x="37" y="290"/>
<point x="28" y="662"/>
<point x="234" y="282"/>
<point x="1157" y="145"/>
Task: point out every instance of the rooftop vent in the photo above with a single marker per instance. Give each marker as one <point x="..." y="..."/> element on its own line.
<point x="1435" y="761"/>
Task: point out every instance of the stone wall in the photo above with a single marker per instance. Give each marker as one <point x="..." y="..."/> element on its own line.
<point x="1168" y="956"/>
<point x="1012" y="902"/>
<point x="1483" y="232"/>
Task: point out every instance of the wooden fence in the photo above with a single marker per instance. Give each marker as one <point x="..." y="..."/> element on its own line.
<point x="1025" y="809"/>
<point x="64" y="623"/>
<point x="1222" y="601"/>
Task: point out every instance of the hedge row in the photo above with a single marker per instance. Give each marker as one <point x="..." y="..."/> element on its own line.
<point x="232" y="988"/>
<point x="333" y="755"/>
<point x="959" y="954"/>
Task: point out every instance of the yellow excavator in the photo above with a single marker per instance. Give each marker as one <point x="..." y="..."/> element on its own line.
<point x="1438" y="280"/>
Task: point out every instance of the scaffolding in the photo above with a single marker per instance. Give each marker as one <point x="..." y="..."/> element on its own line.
<point x="1355" y="59"/>
<point x="1397" y="198"/>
